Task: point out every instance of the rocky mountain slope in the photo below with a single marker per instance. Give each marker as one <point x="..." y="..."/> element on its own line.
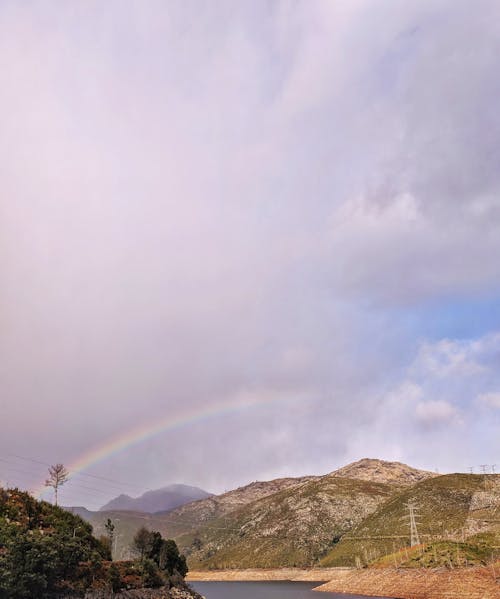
<point x="190" y="517"/>
<point x="292" y="527"/>
<point x="184" y="519"/>
<point x="158" y="500"/>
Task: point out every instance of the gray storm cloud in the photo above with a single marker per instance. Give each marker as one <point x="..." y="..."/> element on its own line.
<point x="204" y="199"/>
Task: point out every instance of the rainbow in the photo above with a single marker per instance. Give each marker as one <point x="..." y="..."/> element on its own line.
<point x="143" y="432"/>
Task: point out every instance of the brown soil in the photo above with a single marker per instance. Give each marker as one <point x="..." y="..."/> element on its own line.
<point x="470" y="583"/>
<point x="292" y="574"/>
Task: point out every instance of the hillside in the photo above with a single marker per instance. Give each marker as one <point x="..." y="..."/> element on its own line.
<point x="292" y="527"/>
<point x="42" y="547"/>
<point x="158" y="500"/>
<point x="126" y="525"/>
<point x="354" y="515"/>
<point x="47" y="552"/>
<point x="184" y="519"/>
<point x="453" y="507"/>
<point x="189" y="517"/>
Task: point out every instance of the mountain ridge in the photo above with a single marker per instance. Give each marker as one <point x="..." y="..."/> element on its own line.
<point x="156" y="500"/>
<point x="310" y="520"/>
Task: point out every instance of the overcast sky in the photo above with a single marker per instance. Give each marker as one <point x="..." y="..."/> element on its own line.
<point x="293" y="201"/>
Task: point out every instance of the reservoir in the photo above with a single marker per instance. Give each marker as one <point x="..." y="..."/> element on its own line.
<point x="265" y="590"/>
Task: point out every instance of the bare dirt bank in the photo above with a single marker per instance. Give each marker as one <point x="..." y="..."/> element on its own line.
<point x="292" y="574"/>
<point x="470" y="583"/>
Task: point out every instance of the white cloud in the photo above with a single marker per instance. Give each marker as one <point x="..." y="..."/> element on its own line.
<point x="449" y="357"/>
<point x="192" y="191"/>
<point x="490" y="399"/>
<point x="436" y="413"/>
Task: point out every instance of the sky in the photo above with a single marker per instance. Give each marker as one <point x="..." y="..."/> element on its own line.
<point x="272" y="226"/>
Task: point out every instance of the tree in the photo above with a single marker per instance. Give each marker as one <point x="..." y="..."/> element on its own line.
<point x="110" y="532"/>
<point x="58" y="475"/>
<point x="142" y="542"/>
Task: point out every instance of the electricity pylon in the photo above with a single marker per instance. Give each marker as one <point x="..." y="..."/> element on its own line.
<point x="412" y="516"/>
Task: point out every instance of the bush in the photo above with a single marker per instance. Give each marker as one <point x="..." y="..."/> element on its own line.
<point x="115" y="579"/>
<point x="150" y="575"/>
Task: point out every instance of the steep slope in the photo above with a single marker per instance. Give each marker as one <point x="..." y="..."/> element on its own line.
<point x="158" y="500"/>
<point x="184" y="519"/>
<point x="292" y="527"/>
<point x="452" y="507"/>
<point x="193" y="515"/>
<point x="380" y="471"/>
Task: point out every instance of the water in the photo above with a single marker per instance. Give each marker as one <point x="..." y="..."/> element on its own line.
<point x="265" y="590"/>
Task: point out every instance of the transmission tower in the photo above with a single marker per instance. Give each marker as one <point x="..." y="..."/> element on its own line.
<point x="412" y="517"/>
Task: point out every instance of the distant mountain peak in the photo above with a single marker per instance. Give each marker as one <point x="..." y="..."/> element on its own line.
<point x="157" y="500"/>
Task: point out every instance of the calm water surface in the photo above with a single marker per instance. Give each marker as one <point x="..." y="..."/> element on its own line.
<point x="265" y="590"/>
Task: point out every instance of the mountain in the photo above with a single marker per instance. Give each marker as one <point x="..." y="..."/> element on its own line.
<point x="356" y="514"/>
<point x="190" y="516"/>
<point x="159" y="500"/>
<point x="381" y="471"/>
<point x="292" y="527"/>
<point x="184" y="519"/>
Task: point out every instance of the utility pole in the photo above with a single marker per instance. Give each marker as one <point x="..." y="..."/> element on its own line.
<point x="412" y="516"/>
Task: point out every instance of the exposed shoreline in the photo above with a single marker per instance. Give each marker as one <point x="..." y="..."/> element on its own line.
<point x="470" y="583"/>
<point x="271" y="574"/>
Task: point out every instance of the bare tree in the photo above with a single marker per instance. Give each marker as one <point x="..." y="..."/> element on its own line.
<point x="58" y="475"/>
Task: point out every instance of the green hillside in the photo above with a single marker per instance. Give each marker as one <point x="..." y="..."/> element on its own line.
<point x="47" y="552"/>
<point x="454" y="507"/>
<point x="42" y="548"/>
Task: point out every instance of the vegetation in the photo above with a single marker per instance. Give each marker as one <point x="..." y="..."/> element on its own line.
<point x="446" y="514"/>
<point x="447" y="554"/>
<point x="46" y="551"/>
<point x="42" y="547"/>
<point x="163" y="553"/>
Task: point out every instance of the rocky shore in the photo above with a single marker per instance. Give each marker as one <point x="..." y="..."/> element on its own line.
<point x="177" y="592"/>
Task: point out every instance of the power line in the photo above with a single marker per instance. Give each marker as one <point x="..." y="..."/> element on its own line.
<point x="103" y="478"/>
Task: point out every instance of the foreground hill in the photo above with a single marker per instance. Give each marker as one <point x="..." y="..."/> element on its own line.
<point x="159" y="500"/>
<point x="453" y="507"/>
<point x="42" y="547"/>
<point x="47" y="552"/>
